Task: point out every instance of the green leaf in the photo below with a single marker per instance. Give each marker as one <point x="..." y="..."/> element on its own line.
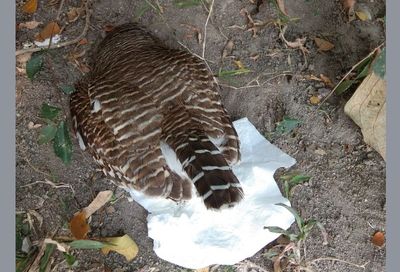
<point x="364" y="72"/>
<point x="62" y="143"/>
<point x="44" y="261"/>
<point x="71" y="260"/>
<point x="47" y="134"/>
<point x="299" y="220"/>
<point x="67" y="89"/>
<point x="287" y="125"/>
<point x="275" y="229"/>
<point x="34" y="65"/>
<point x="298" y="179"/>
<point x="186" y="3"/>
<point x="23" y="261"/>
<point x="86" y="244"/>
<point x="379" y="66"/>
<point x="344" y="86"/>
<point x="49" y="112"/>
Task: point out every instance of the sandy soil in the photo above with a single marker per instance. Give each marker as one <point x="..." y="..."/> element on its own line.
<point x="347" y="190"/>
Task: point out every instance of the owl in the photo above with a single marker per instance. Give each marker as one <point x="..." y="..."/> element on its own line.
<point x="144" y="103"/>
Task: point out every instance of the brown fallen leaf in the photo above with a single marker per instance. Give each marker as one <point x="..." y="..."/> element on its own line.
<point x="367" y="108"/>
<point x="227" y="49"/>
<point x="73" y="14"/>
<point x="348" y="4"/>
<point x="323" y="45"/>
<point x="239" y="64"/>
<point x="108" y="28"/>
<point x="48" y="31"/>
<point x="123" y="245"/>
<point x="30" y="6"/>
<point x="23" y="59"/>
<point x="29" y="25"/>
<point x="32" y="125"/>
<point x="326" y="80"/>
<point x="281" y="6"/>
<point x="99" y="201"/>
<point x="60" y="246"/>
<point x="378" y="238"/>
<point x="83" y="41"/>
<point x="314" y="100"/>
<point x="78" y="226"/>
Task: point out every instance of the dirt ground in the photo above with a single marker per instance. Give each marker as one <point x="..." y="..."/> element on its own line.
<point x="347" y="190"/>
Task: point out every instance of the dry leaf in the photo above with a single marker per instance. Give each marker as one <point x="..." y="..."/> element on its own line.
<point x="323" y="45"/>
<point x="367" y="108"/>
<point x="378" y="238"/>
<point x="314" y="100"/>
<point x="123" y="245"/>
<point x="53" y="3"/>
<point x="108" y="28"/>
<point x="78" y="226"/>
<point x="23" y="59"/>
<point x="312" y="77"/>
<point x="83" y="41"/>
<point x="281" y="6"/>
<point x="60" y="246"/>
<point x="326" y="80"/>
<point x="32" y="125"/>
<point x="348" y="4"/>
<point x="50" y="30"/>
<point x="101" y="199"/>
<point x="363" y="16"/>
<point x="30" y="6"/>
<point x="228" y="49"/>
<point x="239" y="64"/>
<point x="73" y="14"/>
<point x="29" y="25"/>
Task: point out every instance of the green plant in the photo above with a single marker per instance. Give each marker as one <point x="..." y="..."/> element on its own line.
<point x="291" y="180"/>
<point x="56" y="132"/>
<point x="295" y="250"/>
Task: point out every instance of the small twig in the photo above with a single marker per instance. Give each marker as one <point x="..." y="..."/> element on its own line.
<point x="36" y="169"/>
<point x="48" y="182"/>
<point x="205" y="27"/>
<point x="60" y="10"/>
<point x="348" y="73"/>
<point x="363" y="266"/>
<point x="63" y="44"/>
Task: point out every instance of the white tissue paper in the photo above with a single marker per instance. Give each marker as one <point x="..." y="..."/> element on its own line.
<point x="191" y="236"/>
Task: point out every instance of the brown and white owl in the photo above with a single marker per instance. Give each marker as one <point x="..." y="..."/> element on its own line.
<point x="142" y="98"/>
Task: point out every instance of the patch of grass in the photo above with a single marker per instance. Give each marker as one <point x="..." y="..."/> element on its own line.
<point x="295" y="250"/>
<point x="291" y="180"/>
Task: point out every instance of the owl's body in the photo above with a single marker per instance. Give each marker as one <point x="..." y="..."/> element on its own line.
<point x="141" y="95"/>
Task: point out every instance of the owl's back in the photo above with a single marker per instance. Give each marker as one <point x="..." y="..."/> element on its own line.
<point x="141" y="95"/>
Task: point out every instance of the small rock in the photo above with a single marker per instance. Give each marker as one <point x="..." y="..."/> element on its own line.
<point x="320" y="151"/>
<point x="26" y="245"/>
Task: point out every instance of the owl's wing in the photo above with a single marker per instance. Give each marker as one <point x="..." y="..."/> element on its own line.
<point x="122" y="128"/>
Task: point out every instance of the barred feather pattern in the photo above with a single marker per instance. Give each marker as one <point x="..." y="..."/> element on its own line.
<point x="141" y="93"/>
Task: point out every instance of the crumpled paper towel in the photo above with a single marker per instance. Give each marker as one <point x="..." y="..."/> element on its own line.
<point x="191" y="236"/>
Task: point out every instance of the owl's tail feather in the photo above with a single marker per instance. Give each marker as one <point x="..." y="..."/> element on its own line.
<point x="205" y="165"/>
